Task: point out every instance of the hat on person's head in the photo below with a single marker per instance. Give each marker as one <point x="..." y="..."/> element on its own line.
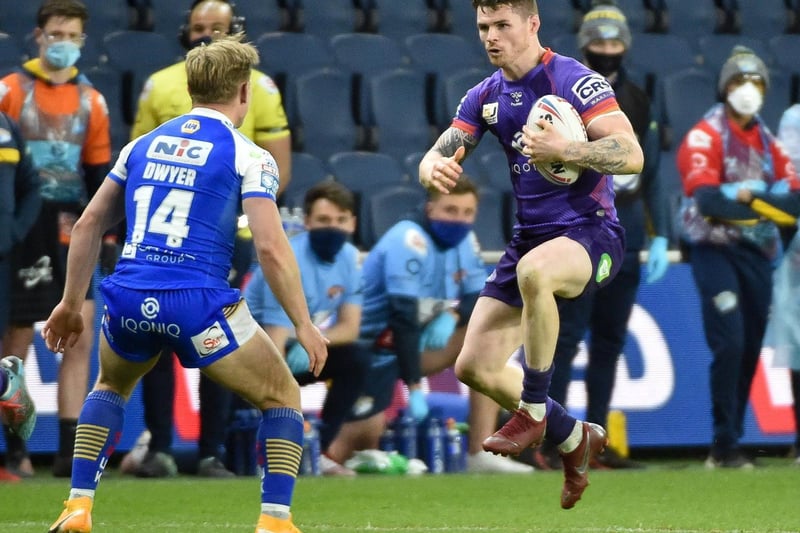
<point x="603" y="22"/>
<point x="742" y="61"/>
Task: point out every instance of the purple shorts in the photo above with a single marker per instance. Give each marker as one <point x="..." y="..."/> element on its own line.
<point x="604" y="242"/>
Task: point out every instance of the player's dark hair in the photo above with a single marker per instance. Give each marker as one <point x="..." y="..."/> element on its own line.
<point x="71" y="9"/>
<point x="334" y="192"/>
<point x="528" y="7"/>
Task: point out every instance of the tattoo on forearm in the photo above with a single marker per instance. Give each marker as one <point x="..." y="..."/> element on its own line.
<point x="608" y="155"/>
<point x="449" y="141"/>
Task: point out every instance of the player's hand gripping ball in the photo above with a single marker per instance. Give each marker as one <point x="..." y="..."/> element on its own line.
<point x="566" y="120"/>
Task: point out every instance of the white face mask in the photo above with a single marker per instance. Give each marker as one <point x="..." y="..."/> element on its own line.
<point x="746" y="99"/>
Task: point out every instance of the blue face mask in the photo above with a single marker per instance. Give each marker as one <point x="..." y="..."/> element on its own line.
<point x="326" y="242"/>
<point x="62" y="54"/>
<point x="449" y="234"/>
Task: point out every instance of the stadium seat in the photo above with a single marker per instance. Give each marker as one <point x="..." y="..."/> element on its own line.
<point x="286" y="55"/>
<point x="778" y="98"/>
<point x="398" y="113"/>
<point x="325" y="122"/>
<point x="136" y="55"/>
<point x="763" y="18"/>
<point x="19" y="20"/>
<point x="389" y="205"/>
<point x="639" y="18"/>
<point x="109" y="83"/>
<point x="687" y="95"/>
<point x="363" y="54"/>
<point x="400" y="19"/>
<point x="472" y="168"/>
<point x="454" y="86"/>
<point x="11" y="54"/>
<point x="717" y="47"/>
<point x="492" y="220"/>
<point x="495" y="168"/>
<point x="692" y="20"/>
<point x="785" y="49"/>
<point x="557" y="18"/>
<point x="660" y="54"/>
<point x="307" y="170"/>
<point x="566" y="44"/>
<point x="437" y="55"/>
<point x="328" y="18"/>
<point x="366" y="173"/>
<point x="107" y="16"/>
<point x="261" y="16"/>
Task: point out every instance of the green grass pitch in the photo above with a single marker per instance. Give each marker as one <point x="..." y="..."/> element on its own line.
<point x="666" y="497"/>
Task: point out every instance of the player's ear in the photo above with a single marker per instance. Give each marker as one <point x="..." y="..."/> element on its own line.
<point x="244" y="92"/>
<point x="535" y="23"/>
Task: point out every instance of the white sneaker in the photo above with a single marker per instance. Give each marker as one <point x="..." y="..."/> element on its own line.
<point x="488" y="463"/>
<point x="329" y="467"/>
<point x="131" y="461"/>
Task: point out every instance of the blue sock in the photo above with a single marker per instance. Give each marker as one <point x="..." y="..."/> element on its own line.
<point x="279" y="448"/>
<point x="3" y="381"/>
<point x="559" y="422"/>
<point x="98" y="433"/>
<point x="536" y="384"/>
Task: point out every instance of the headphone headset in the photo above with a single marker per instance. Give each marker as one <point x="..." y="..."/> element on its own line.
<point x="237" y="22"/>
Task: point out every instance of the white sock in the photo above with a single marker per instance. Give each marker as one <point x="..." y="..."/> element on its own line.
<point x="574" y="439"/>
<point x="276" y="510"/>
<point x="80" y="493"/>
<point x="537" y="410"/>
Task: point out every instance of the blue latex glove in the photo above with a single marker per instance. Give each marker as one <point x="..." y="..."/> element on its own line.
<point x="437" y="332"/>
<point x="657" y="260"/>
<point x="417" y="405"/>
<point x="780" y="188"/>
<point x="755" y="185"/>
<point x="729" y="190"/>
<point x="297" y="359"/>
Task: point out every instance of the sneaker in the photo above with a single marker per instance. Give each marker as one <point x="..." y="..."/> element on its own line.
<point x="157" y="464"/>
<point x="19" y="463"/>
<point x="270" y="524"/>
<point x="131" y="461"/>
<point x="488" y="463"/>
<point x="7" y="476"/>
<point x="611" y="460"/>
<point x="576" y="463"/>
<point x="213" y="467"/>
<point x="329" y="467"/>
<point x="735" y="459"/>
<point x="546" y="457"/>
<point x="521" y="432"/>
<point x="16" y="406"/>
<point x="75" y="518"/>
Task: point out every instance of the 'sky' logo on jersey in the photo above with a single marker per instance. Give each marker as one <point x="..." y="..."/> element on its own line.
<point x="179" y="150"/>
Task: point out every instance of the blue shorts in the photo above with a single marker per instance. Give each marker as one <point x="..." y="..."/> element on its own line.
<point x="604" y="242"/>
<point x="199" y="325"/>
<point x="379" y="388"/>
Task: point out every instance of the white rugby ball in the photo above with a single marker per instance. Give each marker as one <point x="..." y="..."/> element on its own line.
<point x="560" y="113"/>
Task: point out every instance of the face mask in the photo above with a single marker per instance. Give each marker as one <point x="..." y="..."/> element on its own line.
<point x="206" y="40"/>
<point x="326" y="242"/>
<point x="746" y="99"/>
<point x="448" y="234"/>
<point x="603" y="64"/>
<point x="62" y="54"/>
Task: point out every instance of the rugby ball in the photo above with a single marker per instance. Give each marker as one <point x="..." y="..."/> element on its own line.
<point x="560" y="113"/>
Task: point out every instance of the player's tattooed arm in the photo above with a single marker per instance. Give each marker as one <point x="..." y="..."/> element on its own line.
<point x="451" y="139"/>
<point x="614" y="154"/>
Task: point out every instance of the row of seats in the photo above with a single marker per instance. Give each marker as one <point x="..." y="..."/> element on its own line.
<point x="386" y="188"/>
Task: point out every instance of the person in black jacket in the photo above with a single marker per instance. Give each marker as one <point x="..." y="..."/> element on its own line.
<point x="642" y="208"/>
<point x="19" y="208"/>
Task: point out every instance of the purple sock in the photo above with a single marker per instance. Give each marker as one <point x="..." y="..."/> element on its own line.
<point x="535" y="385"/>
<point x="559" y="422"/>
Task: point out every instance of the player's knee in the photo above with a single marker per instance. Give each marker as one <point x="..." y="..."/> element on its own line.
<point x="467" y="372"/>
<point x="532" y="277"/>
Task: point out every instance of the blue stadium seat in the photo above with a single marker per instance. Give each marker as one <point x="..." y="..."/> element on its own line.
<point x="785" y="49"/>
<point x="388" y="206"/>
<point x="11" y="54"/>
<point x="692" y="20"/>
<point x="454" y="86"/>
<point x="326" y="19"/>
<point x="762" y="18"/>
<point x="19" y="20"/>
<point x="286" y="55"/>
<point x="557" y="18"/>
<point x="660" y="53"/>
<point x="261" y="16"/>
<point x="639" y="17"/>
<point x="717" y="47"/>
<point x="687" y="95"/>
<point x="779" y="97"/>
<point x="106" y="16"/>
<point x="398" y="113"/>
<point x="399" y="19"/>
<point x="307" y="170"/>
<point x="325" y="122"/>
<point x="366" y="173"/>
<point x="109" y="83"/>
<point x="566" y="44"/>
<point x="492" y="220"/>
<point x="495" y="168"/>
<point x="136" y="55"/>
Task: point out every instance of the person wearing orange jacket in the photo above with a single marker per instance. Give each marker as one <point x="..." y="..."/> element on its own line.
<point x="65" y="123"/>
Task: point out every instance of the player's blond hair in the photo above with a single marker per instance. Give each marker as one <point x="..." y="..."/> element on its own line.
<point x="215" y="71"/>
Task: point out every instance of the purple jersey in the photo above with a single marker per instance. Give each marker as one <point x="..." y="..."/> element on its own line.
<point x="501" y="107"/>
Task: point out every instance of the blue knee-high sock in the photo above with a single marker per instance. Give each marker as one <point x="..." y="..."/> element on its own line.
<point x="280" y="446"/>
<point x="559" y="422"/>
<point x="98" y="433"/>
<point x="535" y="385"/>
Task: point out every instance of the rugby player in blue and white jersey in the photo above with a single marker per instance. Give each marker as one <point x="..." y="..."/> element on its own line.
<point x="567" y="240"/>
<point x="180" y="188"/>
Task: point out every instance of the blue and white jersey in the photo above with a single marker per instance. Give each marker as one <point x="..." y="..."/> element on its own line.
<point x="406" y="262"/>
<point x="184" y="183"/>
<point x="327" y="286"/>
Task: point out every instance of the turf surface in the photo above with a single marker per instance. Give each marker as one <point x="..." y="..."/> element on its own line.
<point x="671" y="497"/>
